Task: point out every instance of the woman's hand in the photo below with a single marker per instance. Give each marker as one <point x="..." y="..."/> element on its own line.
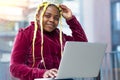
<point x="66" y="12"/>
<point x="52" y="73"/>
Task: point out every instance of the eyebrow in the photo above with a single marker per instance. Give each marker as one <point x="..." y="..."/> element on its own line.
<point x="50" y="13"/>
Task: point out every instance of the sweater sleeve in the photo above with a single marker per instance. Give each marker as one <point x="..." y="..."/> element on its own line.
<point x="78" y="33"/>
<point x="18" y="68"/>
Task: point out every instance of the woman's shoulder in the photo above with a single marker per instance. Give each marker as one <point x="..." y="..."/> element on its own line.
<point x="28" y="29"/>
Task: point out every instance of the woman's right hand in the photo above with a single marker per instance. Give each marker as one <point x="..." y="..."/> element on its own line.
<point x="66" y="12"/>
<point x="52" y="73"/>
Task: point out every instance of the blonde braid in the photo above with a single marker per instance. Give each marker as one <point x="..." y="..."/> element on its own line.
<point x="33" y="43"/>
<point x="41" y="24"/>
<point x="34" y="35"/>
<point x="61" y="31"/>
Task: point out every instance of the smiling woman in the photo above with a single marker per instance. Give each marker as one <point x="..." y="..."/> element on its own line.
<point x="51" y="19"/>
<point x="37" y="49"/>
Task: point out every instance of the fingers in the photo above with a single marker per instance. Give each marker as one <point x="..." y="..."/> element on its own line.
<point x="64" y="8"/>
<point x="66" y="12"/>
<point x="52" y="73"/>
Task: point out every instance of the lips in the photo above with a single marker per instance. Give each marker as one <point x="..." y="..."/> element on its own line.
<point x="50" y="25"/>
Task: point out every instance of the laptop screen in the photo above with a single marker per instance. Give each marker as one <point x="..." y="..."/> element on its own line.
<point x="81" y="60"/>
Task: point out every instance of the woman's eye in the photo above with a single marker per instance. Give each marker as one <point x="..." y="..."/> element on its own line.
<point x="47" y="16"/>
<point x="56" y="18"/>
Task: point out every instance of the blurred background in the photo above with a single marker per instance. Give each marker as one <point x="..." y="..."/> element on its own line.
<point x="100" y="20"/>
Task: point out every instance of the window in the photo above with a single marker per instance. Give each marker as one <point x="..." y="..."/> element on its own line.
<point x="115" y="14"/>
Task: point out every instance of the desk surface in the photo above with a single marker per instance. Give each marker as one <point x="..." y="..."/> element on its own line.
<point x="52" y="79"/>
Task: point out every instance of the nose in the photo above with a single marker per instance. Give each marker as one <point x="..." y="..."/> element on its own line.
<point x="51" y="19"/>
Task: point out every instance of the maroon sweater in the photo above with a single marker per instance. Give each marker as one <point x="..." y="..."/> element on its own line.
<point x="21" y="55"/>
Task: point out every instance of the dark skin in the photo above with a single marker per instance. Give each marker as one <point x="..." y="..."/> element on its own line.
<point x="50" y="22"/>
<point x="52" y="15"/>
<point x="51" y="19"/>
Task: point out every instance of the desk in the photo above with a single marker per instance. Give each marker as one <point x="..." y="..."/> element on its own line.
<point x="53" y="79"/>
<point x="69" y="79"/>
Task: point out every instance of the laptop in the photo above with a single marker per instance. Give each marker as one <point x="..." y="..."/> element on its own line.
<point x="81" y="60"/>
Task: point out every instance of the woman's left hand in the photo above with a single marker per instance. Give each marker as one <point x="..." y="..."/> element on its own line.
<point x="52" y="73"/>
<point x="66" y="12"/>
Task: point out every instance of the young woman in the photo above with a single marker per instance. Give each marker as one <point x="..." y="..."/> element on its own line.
<point x="37" y="48"/>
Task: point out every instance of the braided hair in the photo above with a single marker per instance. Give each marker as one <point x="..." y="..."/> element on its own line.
<point x="44" y="6"/>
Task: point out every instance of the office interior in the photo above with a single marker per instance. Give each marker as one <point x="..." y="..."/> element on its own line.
<point x="100" y="20"/>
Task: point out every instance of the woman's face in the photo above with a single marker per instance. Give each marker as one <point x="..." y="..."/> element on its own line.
<point x="51" y="18"/>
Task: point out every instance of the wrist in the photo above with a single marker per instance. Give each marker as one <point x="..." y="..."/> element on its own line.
<point x="69" y="18"/>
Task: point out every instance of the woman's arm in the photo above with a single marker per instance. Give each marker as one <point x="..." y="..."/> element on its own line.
<point x="78" y="33"/>
<point x="18" y="68"/>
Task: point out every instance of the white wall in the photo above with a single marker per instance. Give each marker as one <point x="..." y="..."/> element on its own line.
<point x="97" y="21"/>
